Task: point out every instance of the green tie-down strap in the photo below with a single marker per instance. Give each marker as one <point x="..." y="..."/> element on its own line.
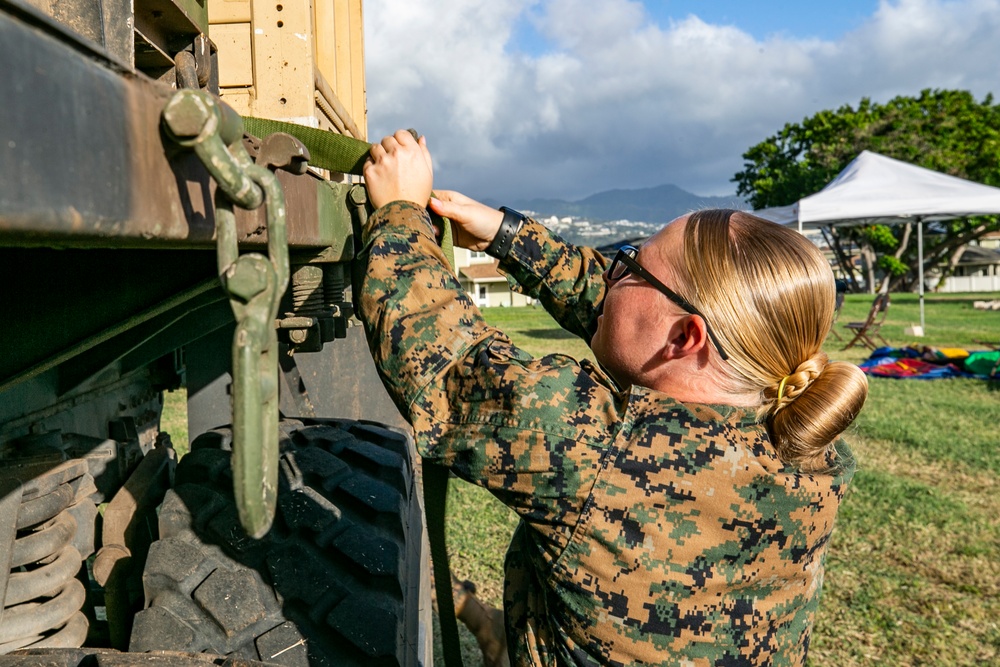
<point x="342" y="154"/>
<point x="435" y="483"/>
<point x="446" y="240"/>
<point x="327" y="150"/>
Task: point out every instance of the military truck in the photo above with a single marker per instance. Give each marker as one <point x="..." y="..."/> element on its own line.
<point x="152" y="246"/>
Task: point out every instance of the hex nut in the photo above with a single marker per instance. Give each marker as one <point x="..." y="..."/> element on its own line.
<point x="246" y="278"/>
<point x="186" y="114"/>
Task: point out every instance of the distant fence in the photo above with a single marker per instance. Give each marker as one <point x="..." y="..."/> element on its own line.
<point x="971" y="284"/>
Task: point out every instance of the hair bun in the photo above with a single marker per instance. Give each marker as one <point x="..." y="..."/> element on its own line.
<point x="804" y="426"/>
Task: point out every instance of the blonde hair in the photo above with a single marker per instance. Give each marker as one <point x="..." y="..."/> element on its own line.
<point x="769" y="296"/>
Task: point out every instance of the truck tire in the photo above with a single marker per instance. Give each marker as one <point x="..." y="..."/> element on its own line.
<point x="336" y="580"/>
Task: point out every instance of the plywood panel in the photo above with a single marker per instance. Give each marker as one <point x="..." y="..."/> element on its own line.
<point x="228" y="11"/>
<point x="343" y="33"/>
<point x="284" y="60"/>
<point x="235" y="54"/>
<point x="239" y="99"/>
<point x="359" y="91"/>
<point x="324" y="39"/>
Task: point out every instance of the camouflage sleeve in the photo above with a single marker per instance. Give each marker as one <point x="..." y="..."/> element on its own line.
<point x="565" y="278"/>
<point x="532" y="431"/>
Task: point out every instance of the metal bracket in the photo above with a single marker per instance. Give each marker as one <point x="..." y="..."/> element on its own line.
<point x="283" y="151"/>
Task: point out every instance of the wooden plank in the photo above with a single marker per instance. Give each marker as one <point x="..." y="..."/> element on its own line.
<point x="235" y="54"/>
<point x="359" y="106"/>
<point x="341" y="80"/>
<point x="324" y="39"/>
<point x="284" y="60"/>
<point x="228" y="11"/>
<point x="240" y="99"/>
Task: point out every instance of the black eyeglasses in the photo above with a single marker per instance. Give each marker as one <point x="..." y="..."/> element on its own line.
<point x="624" y="263"/>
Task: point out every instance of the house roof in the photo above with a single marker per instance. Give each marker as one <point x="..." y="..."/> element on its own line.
<point x="483" y="273"/>
<point x="977" y="256"/>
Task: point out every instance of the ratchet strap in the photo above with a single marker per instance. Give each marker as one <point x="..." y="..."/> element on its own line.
<point x="327" y="150"/>
<point x="342" y="154"/>
<point x="435" y="504"/>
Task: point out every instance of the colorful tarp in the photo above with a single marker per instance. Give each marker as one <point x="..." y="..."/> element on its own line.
<point x="931" y="363"/>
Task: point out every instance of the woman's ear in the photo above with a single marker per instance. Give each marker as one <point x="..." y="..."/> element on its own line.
<point x="687" y="336"/>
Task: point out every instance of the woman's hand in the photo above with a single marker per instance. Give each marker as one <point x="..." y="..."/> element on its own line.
<point x="400" y="168"/>
<point x="473" y="224"/>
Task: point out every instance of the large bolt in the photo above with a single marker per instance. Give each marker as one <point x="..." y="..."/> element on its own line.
<point x="247" y="276"/>
<point x="187" y="114"/>
<point x="358" y="195"/>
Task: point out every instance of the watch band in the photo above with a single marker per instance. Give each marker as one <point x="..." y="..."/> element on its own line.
<point x="500" y="246"/>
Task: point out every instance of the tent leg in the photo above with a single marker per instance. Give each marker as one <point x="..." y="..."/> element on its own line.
<point x="920" y="270"/>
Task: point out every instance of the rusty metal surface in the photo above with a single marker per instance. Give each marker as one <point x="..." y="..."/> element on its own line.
<point x="40" y="477"/>
<point x="173" y="25"/>
<point x="125" y="546"/>
<point x="283" y="151"/>
<point x="84" y="163"/>
<point x="143" y="491"/>
<point x="83" y="16"/>
<point x="37" y="14"/>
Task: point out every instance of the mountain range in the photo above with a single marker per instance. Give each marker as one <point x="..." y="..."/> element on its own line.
<point x="658" y="205"/>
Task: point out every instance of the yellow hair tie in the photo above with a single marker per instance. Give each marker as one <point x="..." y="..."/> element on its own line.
<point x="781" y="386"/>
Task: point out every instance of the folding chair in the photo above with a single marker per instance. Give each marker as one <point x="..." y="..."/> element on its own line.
<point x="838" y="305"/>
<point x="867" y="332"/>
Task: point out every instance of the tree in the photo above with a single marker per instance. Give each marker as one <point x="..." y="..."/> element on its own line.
<point x="944" y="130"/>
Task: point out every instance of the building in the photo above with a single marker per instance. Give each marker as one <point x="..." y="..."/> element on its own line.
<point x="977" y="268"/>
<point x="479" y="275"/>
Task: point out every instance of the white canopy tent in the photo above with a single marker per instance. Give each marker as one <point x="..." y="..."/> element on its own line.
<point x="875" y="189"/>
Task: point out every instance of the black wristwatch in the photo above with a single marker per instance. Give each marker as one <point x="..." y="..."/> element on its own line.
<point x="512" y="221"/>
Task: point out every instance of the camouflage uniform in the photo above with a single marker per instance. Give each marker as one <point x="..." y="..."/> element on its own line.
<point x="652" y="531"/>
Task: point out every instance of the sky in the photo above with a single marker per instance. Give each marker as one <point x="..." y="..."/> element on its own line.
<point x="521" y="99"/>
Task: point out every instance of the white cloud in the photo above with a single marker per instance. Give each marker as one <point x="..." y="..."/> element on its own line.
<point x="618" y="101"/>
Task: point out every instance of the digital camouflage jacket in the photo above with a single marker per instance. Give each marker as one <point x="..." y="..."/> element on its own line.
<point x="652" y="532"/>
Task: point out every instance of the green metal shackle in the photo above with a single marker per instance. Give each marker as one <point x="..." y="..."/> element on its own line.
<point x="255" y="284"/>
<point x="194" y="119"/>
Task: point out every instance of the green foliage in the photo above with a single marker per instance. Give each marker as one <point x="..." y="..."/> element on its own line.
<point x="892" y="266"/>
<point x="944" y="130"/>
<point x="948" y="131"/>
<point x="880" y="237"/>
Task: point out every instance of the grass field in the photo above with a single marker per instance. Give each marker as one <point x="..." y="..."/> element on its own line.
<point x="913" y="573"/>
